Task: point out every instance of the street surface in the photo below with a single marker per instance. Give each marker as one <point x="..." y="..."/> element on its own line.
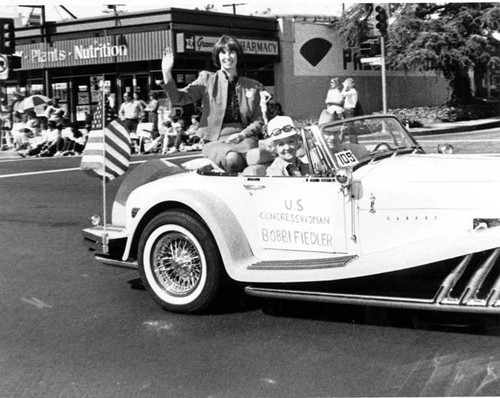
<point x="72" y="327"/>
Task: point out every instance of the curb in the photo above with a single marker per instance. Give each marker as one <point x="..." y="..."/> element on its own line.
<point x="455" y="128"/>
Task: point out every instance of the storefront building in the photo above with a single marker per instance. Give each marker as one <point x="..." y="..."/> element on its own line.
<point x="312" y="53"/>
<point x="294" y="58"/>
<point x="69" y="60"/>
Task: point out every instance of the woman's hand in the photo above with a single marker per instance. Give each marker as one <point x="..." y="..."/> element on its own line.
<point x="167" y="64"/>
<point x="233" y="139"/>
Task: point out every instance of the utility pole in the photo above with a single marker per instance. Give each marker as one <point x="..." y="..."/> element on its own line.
<point x="234" y="6"/>
<point x="382" y="69"/>
<point x="382" y="25"/>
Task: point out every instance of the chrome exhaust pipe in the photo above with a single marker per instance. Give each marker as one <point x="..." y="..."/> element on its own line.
<point x="469" y="295"/>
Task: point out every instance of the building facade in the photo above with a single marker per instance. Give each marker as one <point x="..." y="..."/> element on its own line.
<point x="294" y="58"/>
<point x="70" y="60"/>
<point x="311" y="54"/>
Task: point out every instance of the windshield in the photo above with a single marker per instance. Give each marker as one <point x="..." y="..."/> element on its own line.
<point x="366" y="138"/>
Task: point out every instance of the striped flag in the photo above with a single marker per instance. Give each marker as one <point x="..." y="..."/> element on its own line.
<point x="109" y="156"/>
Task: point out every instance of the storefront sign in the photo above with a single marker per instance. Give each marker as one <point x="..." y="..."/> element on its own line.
<point x="127" y="47"/>
<point x="100" y="50"/>
<point x="192" y="43"/>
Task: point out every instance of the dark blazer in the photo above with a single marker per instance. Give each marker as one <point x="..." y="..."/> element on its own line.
<point x="211" y="89"/>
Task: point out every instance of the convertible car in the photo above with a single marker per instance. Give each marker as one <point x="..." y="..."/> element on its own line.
<point x="378" y="222"/>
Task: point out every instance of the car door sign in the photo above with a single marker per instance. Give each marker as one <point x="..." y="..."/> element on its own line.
<point x="296" y="224"/>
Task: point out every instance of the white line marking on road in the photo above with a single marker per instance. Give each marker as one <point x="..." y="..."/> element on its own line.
<point x="32" y="173"/>
<point x="37" y="303"/>
<point x="469" y="140"/>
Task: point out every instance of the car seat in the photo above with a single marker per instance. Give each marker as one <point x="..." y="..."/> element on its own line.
<point x="258" y="160"/>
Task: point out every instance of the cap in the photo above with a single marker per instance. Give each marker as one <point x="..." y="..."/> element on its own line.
<point x="280" y="127"/>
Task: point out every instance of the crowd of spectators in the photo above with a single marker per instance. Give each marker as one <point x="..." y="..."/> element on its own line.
<point x="52" y="134"/>
<point x="41" y="135"/>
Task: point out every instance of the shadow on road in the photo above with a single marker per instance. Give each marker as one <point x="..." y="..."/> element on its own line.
<point x="389" y="317"/>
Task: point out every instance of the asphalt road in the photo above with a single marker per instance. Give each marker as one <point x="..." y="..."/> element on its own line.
<point x="72" y="327"/>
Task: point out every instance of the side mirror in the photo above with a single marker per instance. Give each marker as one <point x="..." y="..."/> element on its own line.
<point x="445" y="149"/>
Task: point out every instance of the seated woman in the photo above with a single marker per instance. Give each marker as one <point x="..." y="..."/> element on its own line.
<point x="284" y="140"/>
<point x="231" y="119"/>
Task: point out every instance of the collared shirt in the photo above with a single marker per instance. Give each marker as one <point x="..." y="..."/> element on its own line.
<point x="232" y="114"/>
<point x="281" y="167"/>
<point x="131" y="110"/>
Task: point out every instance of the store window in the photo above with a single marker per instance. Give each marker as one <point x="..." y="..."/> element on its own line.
<point x="34" y="86"/>
<point x="61" y="90"/>
<point x="262" y="72"/>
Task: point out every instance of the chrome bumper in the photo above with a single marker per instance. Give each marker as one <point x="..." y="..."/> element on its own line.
<point x="110" y="250"/>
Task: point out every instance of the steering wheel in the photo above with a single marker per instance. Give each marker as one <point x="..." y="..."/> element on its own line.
<point x="380" y="145"/>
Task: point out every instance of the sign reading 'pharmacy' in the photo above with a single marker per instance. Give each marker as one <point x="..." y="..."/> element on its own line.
<point x="192" y="43"/>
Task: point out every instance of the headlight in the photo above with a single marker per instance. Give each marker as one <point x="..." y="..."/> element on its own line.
<point x="445" y="148"/>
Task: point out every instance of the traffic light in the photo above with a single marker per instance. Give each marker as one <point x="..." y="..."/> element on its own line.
<point x="381" y="17"/>
<point x="7" y="36"/>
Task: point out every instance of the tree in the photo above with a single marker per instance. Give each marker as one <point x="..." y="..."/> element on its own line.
<point x="448" y="38"/>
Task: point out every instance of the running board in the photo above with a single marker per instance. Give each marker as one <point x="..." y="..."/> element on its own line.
<point x="472" y="286"/>
<point x="375" y="301"/>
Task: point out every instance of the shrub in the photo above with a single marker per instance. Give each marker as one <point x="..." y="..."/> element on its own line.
<point x="425" y="116"/>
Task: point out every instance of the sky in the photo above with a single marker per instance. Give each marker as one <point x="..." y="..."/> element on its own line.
<point x="91" y="8"/>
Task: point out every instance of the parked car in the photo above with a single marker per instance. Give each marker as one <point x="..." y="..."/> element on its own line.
<point x="395" y="227"/>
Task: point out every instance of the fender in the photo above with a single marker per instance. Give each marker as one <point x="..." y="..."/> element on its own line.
<point x="229" y="236"/>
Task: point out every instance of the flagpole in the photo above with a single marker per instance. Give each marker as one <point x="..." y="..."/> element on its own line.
<point x="104" y="235"/>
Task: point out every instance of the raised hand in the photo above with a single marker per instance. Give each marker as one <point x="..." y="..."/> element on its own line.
<point x="167" y="63"/>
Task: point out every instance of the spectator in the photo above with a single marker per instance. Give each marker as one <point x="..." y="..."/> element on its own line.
<point x="193" y="140"/>
<point x="169" y="136"/>
<point x="350" y="96"/>
<point x="334" y="99"/>
<point x="230" y="127"/>
<point x="180" y="134"/>
<point x="51" y="141"/>
<point x="54" y="110"/>
<point x="152" y="109"/>
<point x="130" y="112"/>
<point x="19" y="132"/>
<point x="265" y="97"/>
<point x="274" y="110"/>
<point x="73" y="139"/>
<point x="6" y="124"/>
<point x="14" y="107"/>
<point x="143" y="116"/>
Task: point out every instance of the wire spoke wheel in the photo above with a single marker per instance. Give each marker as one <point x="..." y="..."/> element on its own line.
<point x="179" y="262"/>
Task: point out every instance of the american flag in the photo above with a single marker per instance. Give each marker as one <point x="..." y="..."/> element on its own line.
<point x="109" y="156"/>
<point x="109" y="112"/>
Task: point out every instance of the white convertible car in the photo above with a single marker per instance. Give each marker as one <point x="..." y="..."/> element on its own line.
<point x="378" y="222"/>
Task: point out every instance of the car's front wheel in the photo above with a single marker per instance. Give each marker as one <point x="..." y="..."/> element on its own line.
<point x="179" y="262"/>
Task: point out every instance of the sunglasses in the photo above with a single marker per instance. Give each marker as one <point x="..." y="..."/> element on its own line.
<point x="284" y="129"/>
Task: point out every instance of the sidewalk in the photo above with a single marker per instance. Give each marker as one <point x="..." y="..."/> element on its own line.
<point x="457" y="127"/>
<point x="441" y="128"/>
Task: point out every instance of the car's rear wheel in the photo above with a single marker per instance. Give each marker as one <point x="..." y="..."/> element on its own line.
<point x="179" y="262"/>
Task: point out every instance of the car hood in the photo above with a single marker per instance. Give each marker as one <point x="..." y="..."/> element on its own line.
<point x="432" y="168"/>
<point x="431" y="182"/>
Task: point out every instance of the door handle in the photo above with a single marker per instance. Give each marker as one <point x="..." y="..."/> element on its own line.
<point x="253" y="187"/>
